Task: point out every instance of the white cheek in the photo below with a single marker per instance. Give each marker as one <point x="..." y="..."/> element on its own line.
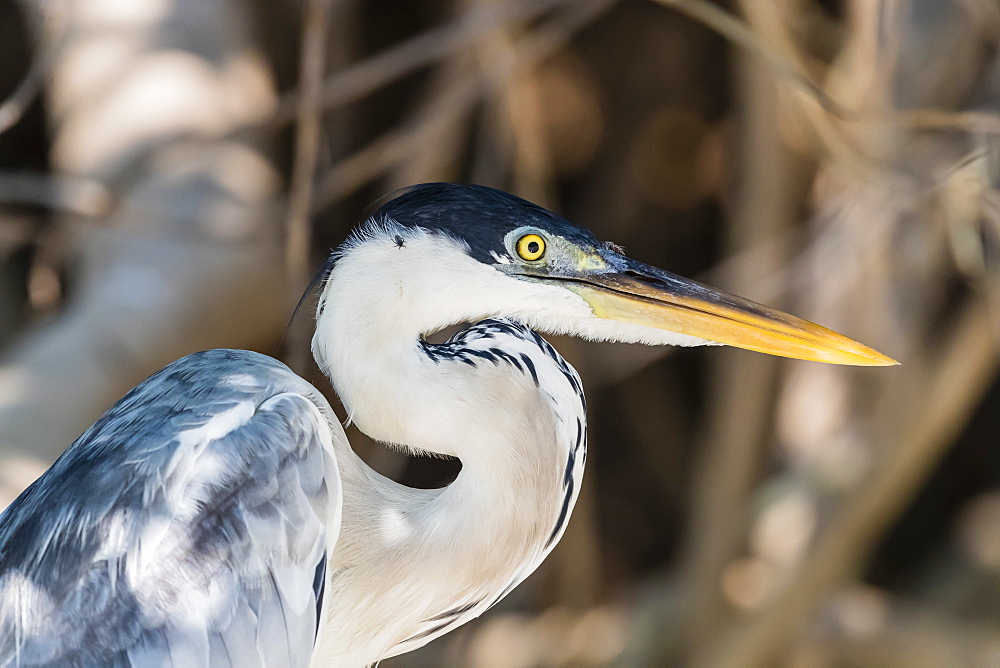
<point x="381" y="291"/>
<point x="428" y="282"/>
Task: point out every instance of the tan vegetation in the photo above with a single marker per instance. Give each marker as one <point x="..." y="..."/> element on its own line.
<point x="171" y="171"/>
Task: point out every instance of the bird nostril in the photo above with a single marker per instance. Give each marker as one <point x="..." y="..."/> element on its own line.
<point x="644" y="278"/>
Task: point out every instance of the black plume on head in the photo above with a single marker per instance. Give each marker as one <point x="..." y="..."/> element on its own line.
<point x="478" y="215"/>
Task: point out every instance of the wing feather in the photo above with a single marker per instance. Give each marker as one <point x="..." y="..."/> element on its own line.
<point x="184" y="528"/>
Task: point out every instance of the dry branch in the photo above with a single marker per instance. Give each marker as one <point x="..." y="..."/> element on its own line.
<point x="401" y="144"/>
<point x="409" y="56"/>
<point x="789" y="71"/>
<point x="308" y="135"/>
<point x="766" y="202"/>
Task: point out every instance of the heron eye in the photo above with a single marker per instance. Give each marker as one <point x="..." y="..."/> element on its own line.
<point x="531" y="247"/>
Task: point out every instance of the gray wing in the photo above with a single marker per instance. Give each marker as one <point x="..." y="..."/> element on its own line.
<point x="187" y="527"/>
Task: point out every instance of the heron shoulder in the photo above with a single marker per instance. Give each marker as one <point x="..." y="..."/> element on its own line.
<point x="192" y="519"/>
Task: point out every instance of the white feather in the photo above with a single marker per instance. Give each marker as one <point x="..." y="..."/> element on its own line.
<point x="407" y="556"/>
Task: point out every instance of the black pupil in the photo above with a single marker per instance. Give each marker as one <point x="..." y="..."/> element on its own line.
<point x="532" y="247"/>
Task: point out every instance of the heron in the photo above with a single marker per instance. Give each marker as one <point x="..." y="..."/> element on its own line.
<point x="216" y="515"/>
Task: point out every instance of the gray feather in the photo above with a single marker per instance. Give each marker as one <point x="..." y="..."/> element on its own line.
<point x="184" y="528"/>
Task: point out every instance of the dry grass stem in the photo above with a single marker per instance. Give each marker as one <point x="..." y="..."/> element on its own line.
<point x="308" y="136"/>
<point x="401" y="144"/>
<point x="790" y="72"/>
<point x="409" y="56"/>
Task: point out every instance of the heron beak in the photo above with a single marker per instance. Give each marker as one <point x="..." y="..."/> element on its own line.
<point x="637" y="293"/>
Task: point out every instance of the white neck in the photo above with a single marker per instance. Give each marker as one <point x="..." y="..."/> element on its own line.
<point x="469" y="543"/>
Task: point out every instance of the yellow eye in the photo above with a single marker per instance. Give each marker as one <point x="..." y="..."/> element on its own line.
<point x="531" y="247"/>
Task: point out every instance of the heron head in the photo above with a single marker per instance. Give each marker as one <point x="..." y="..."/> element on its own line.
<point x="457" y="253"/>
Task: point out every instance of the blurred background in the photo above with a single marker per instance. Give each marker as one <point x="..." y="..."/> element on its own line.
<point x="173" y="171"/>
